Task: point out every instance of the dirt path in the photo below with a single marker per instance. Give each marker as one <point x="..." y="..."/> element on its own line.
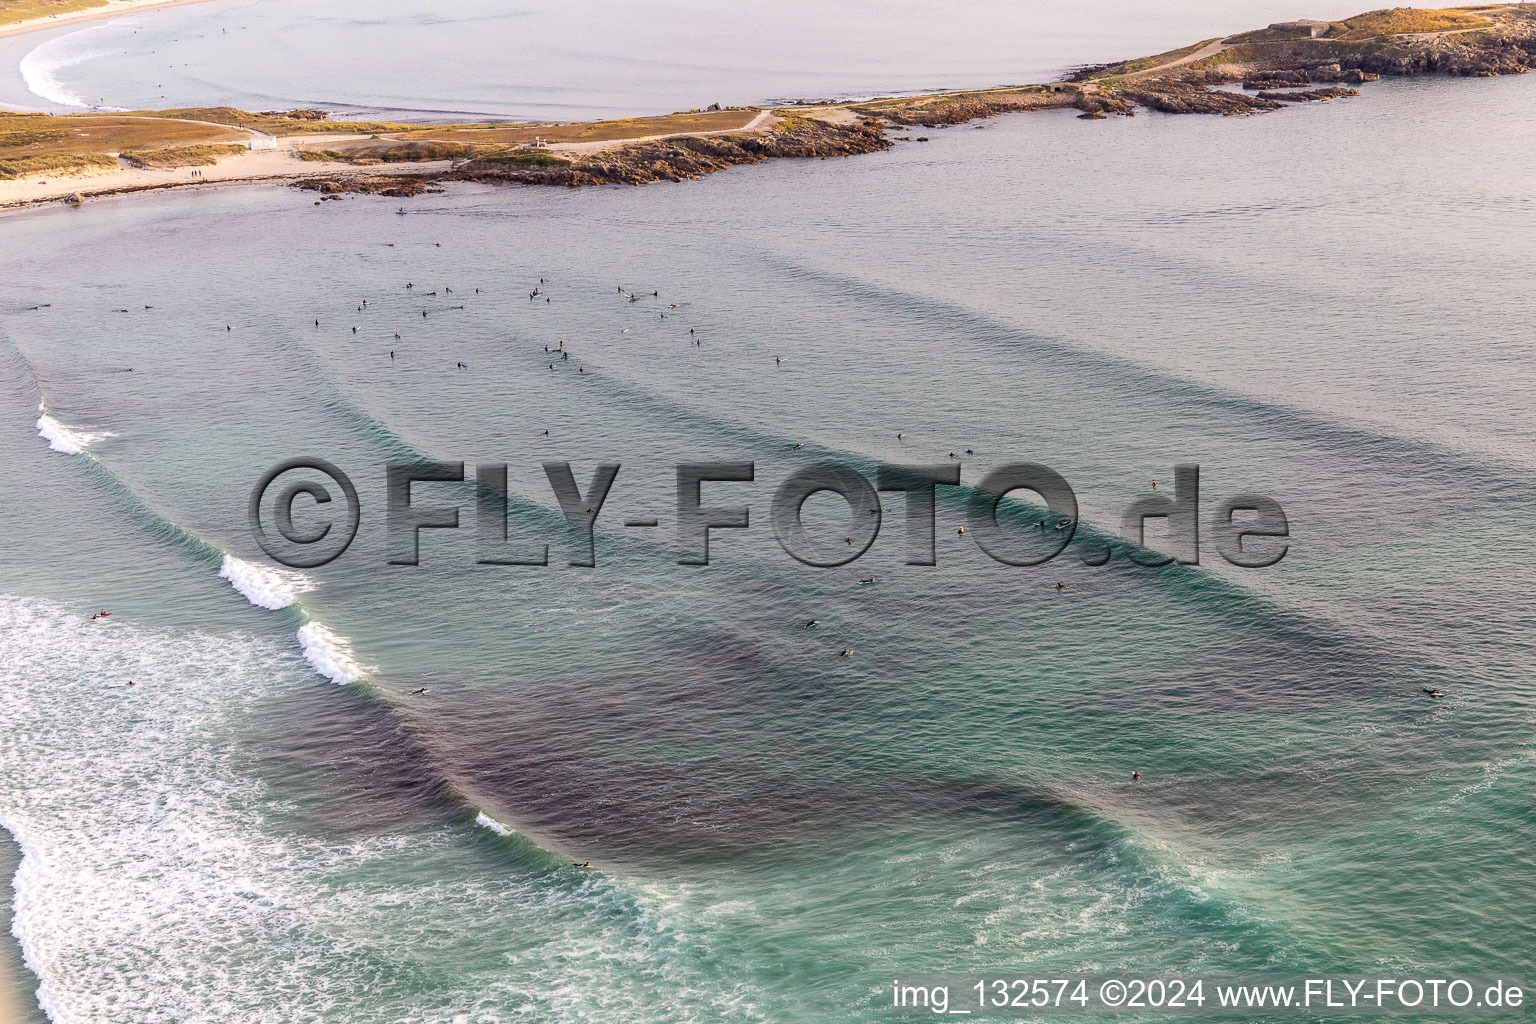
<point x="588" y="148"/>
<point x="1210" y="49"/>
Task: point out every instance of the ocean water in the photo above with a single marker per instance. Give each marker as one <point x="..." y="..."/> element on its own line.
<point x="1327" y="305"/>
<point x="545" y="60"/>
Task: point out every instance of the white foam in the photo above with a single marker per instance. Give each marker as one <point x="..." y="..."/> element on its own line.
<point x="486" y="821"/>
<point x="330" y="654"/>
<point x="166" y="877"/>
<point x="64" y="438"/>
<point x="265" y="586"/>
<point x="40" y="68"/>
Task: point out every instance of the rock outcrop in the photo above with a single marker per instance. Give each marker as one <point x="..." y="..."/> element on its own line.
<point x="1178" y="96"/>
<point x="971" y="106"/>
<point x="397" y="185"/>
<point x="678" y="159"/>
<point x="1309" y="95"/>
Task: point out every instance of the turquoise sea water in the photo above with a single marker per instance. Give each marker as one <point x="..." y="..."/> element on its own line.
<point x="1329" y="305"/>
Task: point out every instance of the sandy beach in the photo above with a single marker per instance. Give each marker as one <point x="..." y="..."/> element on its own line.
<point x="268" y="165"/>
<point x="112" y="9"/>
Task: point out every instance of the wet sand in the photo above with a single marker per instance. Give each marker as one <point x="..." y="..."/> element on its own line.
<point x="17" y="985"/>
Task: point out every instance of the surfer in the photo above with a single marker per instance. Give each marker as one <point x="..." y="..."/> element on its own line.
<point x="809" y="625"/>
<point x="846" y="651"/>
<point x="1432" y="693"/>
<point x="868" y="581"/>
<point x="1060" y="586"/>
<point x="420" y="691"/>
<point x="1135" y="776"/>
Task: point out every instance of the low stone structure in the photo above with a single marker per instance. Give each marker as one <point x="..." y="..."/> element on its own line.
<point x="1305" y="27"/>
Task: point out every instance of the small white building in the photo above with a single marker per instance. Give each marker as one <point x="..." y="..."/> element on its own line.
<point x="261" y="142"/>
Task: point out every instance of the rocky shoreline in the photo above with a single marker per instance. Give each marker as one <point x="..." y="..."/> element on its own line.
<point x="675" y="159"/>
<point x="1287" y="63"/>
<point x="1275" y="71"/>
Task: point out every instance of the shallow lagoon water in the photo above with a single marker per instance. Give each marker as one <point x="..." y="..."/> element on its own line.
<point x="1318" y="304"/>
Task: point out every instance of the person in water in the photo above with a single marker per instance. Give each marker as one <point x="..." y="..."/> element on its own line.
<point x="1061" y="586"/>
<point x="846" y="651"/>
<point x="809" y="625"/>
<point x="1135" y="776"/>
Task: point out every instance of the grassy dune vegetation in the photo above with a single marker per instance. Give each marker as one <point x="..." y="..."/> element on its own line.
<point x="596" y="131"/>
<point x="1403" y="20"/>
<point x="37" y="143"/>
<point x="184" y="156"/>
<point x="12" y="11"/>
<point x="400" y="152"/>
<point x="278" y="122"/>
<point x="57" y="163"/>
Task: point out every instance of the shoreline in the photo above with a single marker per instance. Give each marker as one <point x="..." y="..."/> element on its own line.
<point x="18" y="1001"/>
<point x="1290" y="63"/>
<point x="112" y="9"/>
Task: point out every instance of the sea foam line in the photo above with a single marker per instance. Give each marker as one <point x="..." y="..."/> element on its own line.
<point x="40" y="68"/>
<point x="24" y="884"/>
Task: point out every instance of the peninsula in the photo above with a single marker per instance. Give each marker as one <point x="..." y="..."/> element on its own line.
<point x="75" y="156"/>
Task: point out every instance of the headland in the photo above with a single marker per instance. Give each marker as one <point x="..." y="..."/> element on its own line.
<point x="73" y="157"/>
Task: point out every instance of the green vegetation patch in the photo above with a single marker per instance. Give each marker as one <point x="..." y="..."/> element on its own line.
<point x="524" y="158"/>
<point x="1403" y="20"/>
<point x="185" y="156"/>
<point x="58" y="163"/>
<point x="401" y="152"/>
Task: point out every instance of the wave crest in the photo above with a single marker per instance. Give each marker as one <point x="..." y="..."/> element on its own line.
<point x="330" y="654"/>
<point x="63" y="438"/>
<point x="264" y="586"/>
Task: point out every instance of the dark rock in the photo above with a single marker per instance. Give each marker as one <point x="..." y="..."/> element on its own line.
<point x="1309" y="95"/>
<point x="1173" y="96"/>
<point x="682" y="158"/>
